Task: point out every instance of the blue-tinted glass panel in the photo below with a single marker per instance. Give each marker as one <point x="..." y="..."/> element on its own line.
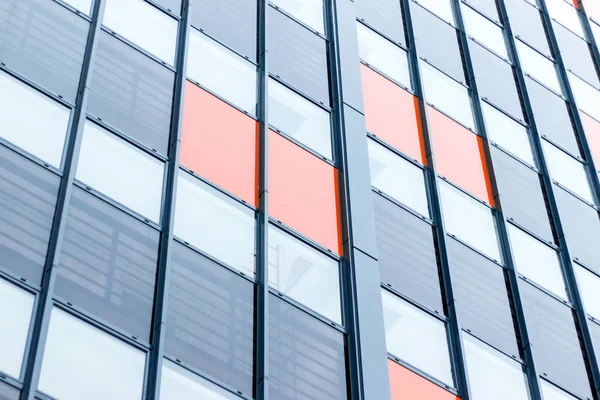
<point x="486" y="7"/>
<point x="383" y="15"/>
<point x="576" y="55"/>
<point x="526" y="23"/>
<point x="9" y="392"/>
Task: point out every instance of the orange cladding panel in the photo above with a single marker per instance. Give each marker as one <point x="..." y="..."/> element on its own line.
<point x="391" y="113"/>
<point x="406" y="385"/>
<point x="592" y="133"/>
<point x="459" y="156"/>
<point x="219" y="143"/>
<point x="303" y="192"/>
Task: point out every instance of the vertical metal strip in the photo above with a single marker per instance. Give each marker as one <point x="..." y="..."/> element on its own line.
<point x="159" y="324"/>
<point x="41" y="320"/>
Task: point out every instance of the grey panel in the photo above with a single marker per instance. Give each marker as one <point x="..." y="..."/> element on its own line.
<point x="349" y="61"/>
<point x="496" y="80"/>
<point x="8" y="392"/>
<point x="486" y="7"/>
<point x="28" y="197"/>
<point x="482" y="299"/>
<point x="173" y="5"/>
<point x="108" y="264"/>
<point x="581" y="226"/>
<point x="231" y="22"/>
<point x="383" y="15"/>
<point x="552" y="117"/>
<point x="437" y="42"/>
<point x="526" y="23"/>
<point x="210" y="322"/>
<point x="298" y="56"/>
<point x="595" y="334"/>
<point x="307" y="357"/>
<point x="576" y="55"/>
<point x="407" y="254"/>
<point x="44" y="42"/>
<point x="131" y="93"/>
<point x="521" y="194"/>
<point x="555" y="341"/>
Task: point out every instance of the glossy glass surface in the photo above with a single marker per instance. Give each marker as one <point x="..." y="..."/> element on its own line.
<point x="222" y="71"/>
<point x="416" y="338"/>
<point x="82" y="5"/>
<point x="484" y="31"/>
<point x="567" y="171"/>
<point x="586" y="96"/>
<point x="486" y="7"/>
<point x="566" y="14"/>
<point x="441" y="8"/>
<point x="538" y="66"/>
<point x="80" y="359"/>
<point x="592" y="133"/>
<point x="589" y="287"/>
<point x="308" y="11"/>
<point x="398" y="178"/>
<point x="551" y="392"/>
<point x="16" y="316"/>
<point x="406" y="385"/>
<point x="215" y="223"/>
<point x="526" y="22"/>
<point x="304" y="274"/>
<point x="178" y="383"/>
<point x="508" y="133"/>
<point x="576" y="55"/>
<point x="385" y="16"/>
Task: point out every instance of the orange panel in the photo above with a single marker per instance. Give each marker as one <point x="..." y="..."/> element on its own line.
<point x="406" y="385"/>
<point x="303" y="192"/>
<point x="459" y="155"/>
<point x="592" y="9"/>
<point x="219" y="143"/>
<point x="391" y="113"/>
<point x="592" y="133"/>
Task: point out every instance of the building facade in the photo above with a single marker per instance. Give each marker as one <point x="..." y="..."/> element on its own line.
<point x="300" y="199"/>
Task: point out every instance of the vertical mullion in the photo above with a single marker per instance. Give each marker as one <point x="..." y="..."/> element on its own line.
<point x="457" y="347"/>
<point x="42" y="313"/>
<point x="159" y="324"/>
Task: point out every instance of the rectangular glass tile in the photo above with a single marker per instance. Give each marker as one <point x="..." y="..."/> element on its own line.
<point x="178" y="383"/>
<point x="526" y="23"/>
<point x="486" y="7"/>
<point x="568" y="171"/>
<point x="484" y="30"/>
<point x="383" y="15"/>
<point x="441" y="8"/>
<point x="566" y="14"/>
<point x="309" y="12"/>
<point x="576" y="55"/>
<point x="538" y="66"/>
<point x="586" y="96"/>
<point x="589" y="288"/>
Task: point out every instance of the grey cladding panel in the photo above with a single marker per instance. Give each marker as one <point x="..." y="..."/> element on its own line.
<point x="210" y="321"/>
<point x="8" y="392"/>
<point x="28" y="197"/>
<point x="383" y="15"/>
<point x="44" y="42"/>
<point x="526" y="23"/>
<point x="407" y="254"/>
<point x="108" y="264"/>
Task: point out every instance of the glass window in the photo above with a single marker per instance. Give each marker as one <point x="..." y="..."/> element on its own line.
<point x="173" y="6"/>
<point x="484" y="31"/>
<point x="507" y="133"/>
<point x="385" y="16"/>
<point x="595" y="30"/>
<point x="42" y="136"/>
<point x="493" y="376"/>
<point x="9" y="392"/>
<point x="178" y="383"/>
<point x="398" y="178"/>
<point x="567" y="171"/>
<point x="551" y="392"/>
<point x="303" y="192"/>
<point x="441" y="8"/>
<point x="576" y="55"/>
<point x="416" y="338"/>
<point x="308" y="11"/>
<point x="486" y="7"/>
<point x="304" y="274"/>
<point x="104" y="157"/>
<point x="566" y="14"/>
<point x="299" y="118"/>
<point x="469" y="220"/>
<point x="592" y="132"/>
<point x="538" y="66"/>
<point x="589" y="287"/>
<point x="407" y="254"/>
<point x="215" y="223"/>
<point x="219" y="143"/>
<point x="405" y="384"/>
<point x="82" y="5"/>
<point x="592" y="9"/>
<point x="526" y="23"/>
<point x="536" y="261"/>
<point x="391" y="114"/>
<point x="586" y="96"/>
<point x="447" y="95"/>
<point x="16" y="316"/>
<point x="79" y="360"/>
<point x="383" y="55"/>
<point x="222" y="72"/>
<point x="144" y="25"/>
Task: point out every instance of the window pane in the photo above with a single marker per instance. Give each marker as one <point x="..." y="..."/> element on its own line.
<point x="416" y="338"/>
<point x="108" y="264"/>
<point x="441" y="8"/>
<point x="568" y="171"/>
<point x="592" y="132"/>
<point x="383" y="55"/>
<point x="538" y="66"/>
<point x="566" y="14"/>
<point x="304" y="274"/>
<point x="215" y="223"/>
<point x="82" y="5"/>
<point x="407" y="254"/>
<point x="178" y="383"/>
<point x="398" y="178"/>
<point x="16" y="316"/>
<point x="526" y="22"/>
<point x="79" y="361"/>
<point x="219" y="143"/>
<point x="587" y="97"/>
<point x="576" y="55"/>
<point x="486" y="7"/>
<point x="42" y="136"/>
<point x="492" y="376"/>
<point x="551" y="392"/>
<point x="299" y="118"/>
<point x="308" y="11"/>
<point x="221" y="71"/>
<point x="536" y="261"/>
<point x="507" y="133"/>
<point x="589" y="287"/>
<point x="595" y="30"/>
<point x="383" y="15"/>
<point x="447" y="95"/>
<point x="406" y="385"/>
<point x="173" y="6"/>
<point x="469" y="220"/>
<point x="210" y="319"/>
<point x="484" y="31"/>
<point x="8" y="392"/>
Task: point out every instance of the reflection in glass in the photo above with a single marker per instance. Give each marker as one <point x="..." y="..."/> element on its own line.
<point x="586" y="96"/>
<point x="178" y="383"/>
<point x="507" y="133"/>
<point x="308" y="11"/>
<point x="538" y="66"/>
<point x="15" y="314"/>
<point x="484" y="31"/>
<point x="589" y="286"/>
<point x="441" y="8"/>
<point x="567" y="171"/>
<point x="551" y="392"/>
<point x="566" y="14"/>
